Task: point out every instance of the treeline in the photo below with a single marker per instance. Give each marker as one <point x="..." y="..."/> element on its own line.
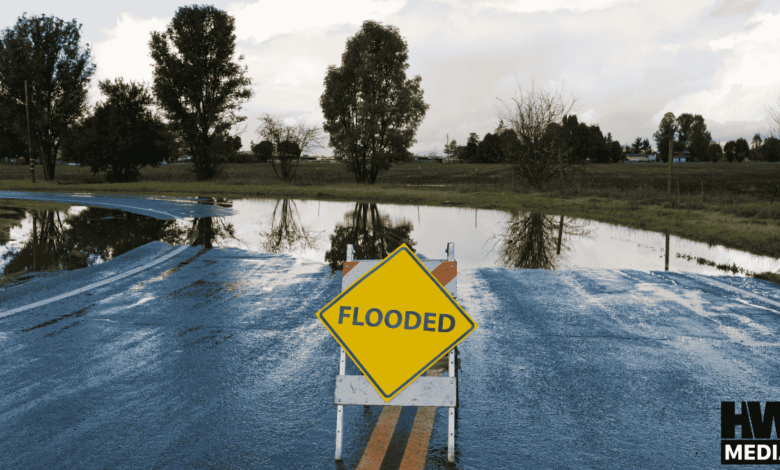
<point x="189" y="111"/>
<point x="585" y="142"/>
<point x="689" y="133"/>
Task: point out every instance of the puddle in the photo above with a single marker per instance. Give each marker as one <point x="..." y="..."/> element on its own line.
<point x="320" y="230"/>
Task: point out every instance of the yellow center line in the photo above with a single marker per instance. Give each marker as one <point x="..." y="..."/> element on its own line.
<point x="417" y="446"/>
<point x="380" y="439"/>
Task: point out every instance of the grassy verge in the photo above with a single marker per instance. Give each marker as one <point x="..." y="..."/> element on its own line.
<point x="724" y="204"/>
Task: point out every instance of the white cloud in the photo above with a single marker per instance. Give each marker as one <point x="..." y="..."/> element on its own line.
<point x="125" y="51"/>
<point x="265" y="19"/>
<point x="526" y="6"/>
<point x="746" y="78"/>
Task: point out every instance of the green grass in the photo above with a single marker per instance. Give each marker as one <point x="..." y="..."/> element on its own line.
<point x="733" y="209"/>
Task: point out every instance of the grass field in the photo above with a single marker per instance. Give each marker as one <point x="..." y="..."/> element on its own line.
<point x="725" y="204"/>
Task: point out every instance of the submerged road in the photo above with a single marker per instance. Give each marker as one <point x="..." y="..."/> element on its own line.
<point x="215" y="359"/>
<point x="181" y="357"/>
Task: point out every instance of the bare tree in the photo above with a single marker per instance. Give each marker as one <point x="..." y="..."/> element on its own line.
<point x="274" y="130"/>
<point x="774" y="119"/>
<point x="533" y="114"/>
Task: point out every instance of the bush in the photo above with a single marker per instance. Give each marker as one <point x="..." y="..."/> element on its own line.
<point x="242" y="157"/>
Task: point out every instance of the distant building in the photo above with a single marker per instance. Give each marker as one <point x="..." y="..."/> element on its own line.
<point x="679" y="157"/>
<point x="640" y="157"/>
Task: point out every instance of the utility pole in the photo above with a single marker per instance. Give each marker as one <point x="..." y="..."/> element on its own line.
<point x="671" y="157"/>
<point x="29" y="146"/>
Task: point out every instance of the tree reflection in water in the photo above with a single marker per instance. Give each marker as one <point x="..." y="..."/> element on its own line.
<point x="372" y="234"/>
<point x="13" y="214"/>
<point x="82" y="239"/>
<point x="287" y="234"/>
<point x="534" y="240"/>
<point x="210" y="231"/>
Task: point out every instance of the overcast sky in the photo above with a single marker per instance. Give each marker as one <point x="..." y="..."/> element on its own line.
<point x="627" y="61"/>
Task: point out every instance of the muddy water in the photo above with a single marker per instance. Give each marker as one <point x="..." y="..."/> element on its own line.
<point x="320" y="230"/>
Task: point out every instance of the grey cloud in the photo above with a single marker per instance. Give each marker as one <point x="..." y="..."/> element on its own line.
<point x="734" y="7"/>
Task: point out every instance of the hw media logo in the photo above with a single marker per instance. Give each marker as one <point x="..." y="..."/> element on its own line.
<point x="754" y="447"/>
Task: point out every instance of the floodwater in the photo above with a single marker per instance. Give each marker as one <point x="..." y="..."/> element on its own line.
<point x="320" y="231"/>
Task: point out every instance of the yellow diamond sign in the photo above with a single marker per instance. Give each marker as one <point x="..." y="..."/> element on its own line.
<point x="396" y="321"/>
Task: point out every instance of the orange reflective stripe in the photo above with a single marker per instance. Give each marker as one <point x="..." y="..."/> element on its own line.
<point x="348" y="265"/>
<point x="445" y="272"/>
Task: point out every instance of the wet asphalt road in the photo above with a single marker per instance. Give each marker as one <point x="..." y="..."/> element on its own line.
<point x="214" y="359"/>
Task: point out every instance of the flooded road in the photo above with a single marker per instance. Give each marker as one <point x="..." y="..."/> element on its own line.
<point x="213" y="357"/>
<point x="320" y="230"/>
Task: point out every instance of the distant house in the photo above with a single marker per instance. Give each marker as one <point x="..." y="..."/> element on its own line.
<point x="679" y="157"/>
<point x="640" y="157"/>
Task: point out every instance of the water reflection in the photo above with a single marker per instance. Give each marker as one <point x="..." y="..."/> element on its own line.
<point x="15" y="215"/>
<point x="210" y="231"/>
<point x="534" y="240"/>
<point x="287" y="233"/>
<point x="59" y="241"/>
<point x="373" y="235"/>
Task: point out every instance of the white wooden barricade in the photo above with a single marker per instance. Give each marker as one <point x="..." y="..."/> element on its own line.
<point x="424" y="391"/>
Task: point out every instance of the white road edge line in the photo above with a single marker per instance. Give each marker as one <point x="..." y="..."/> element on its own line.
<point x="97" y="284"/>
<point x="77" y="200"/>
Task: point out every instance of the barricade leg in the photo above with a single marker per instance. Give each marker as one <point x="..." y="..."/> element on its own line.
<point x="451" y="425"/>
<point x="340" y="416"/>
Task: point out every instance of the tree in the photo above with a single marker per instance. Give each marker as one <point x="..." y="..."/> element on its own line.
<point x="122" y="135"/>
<point x="539" y="155"/>
<point x="225" y="147"/>
<point x="10" y="144"/>
<point x="277" y="132"/>
<point x="491" y="149"/>
<point x="666" y="132"/>
<point x="263" y="150"/>
<point x="700" y="139"/>
<point x="645" y="148"/>
<point x="472" y="144"/>
<point x="372" y="111"/>
<point x="756" y="141"/>
<point x="685" y="122"/>
<point x="45" y="51"/>
<point x="451" y="148"/>
<point x="614" y="151"/>
<point x="714" y="152"/>
<point x="637" y="145"/>
<point x="196" y="81"/>
<point x="770" y="149"/>
<point x="741" y="150"/>
<point x="289" y="154"/>
<point x="730" y="150"/>
<point x="579" y="141"/>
